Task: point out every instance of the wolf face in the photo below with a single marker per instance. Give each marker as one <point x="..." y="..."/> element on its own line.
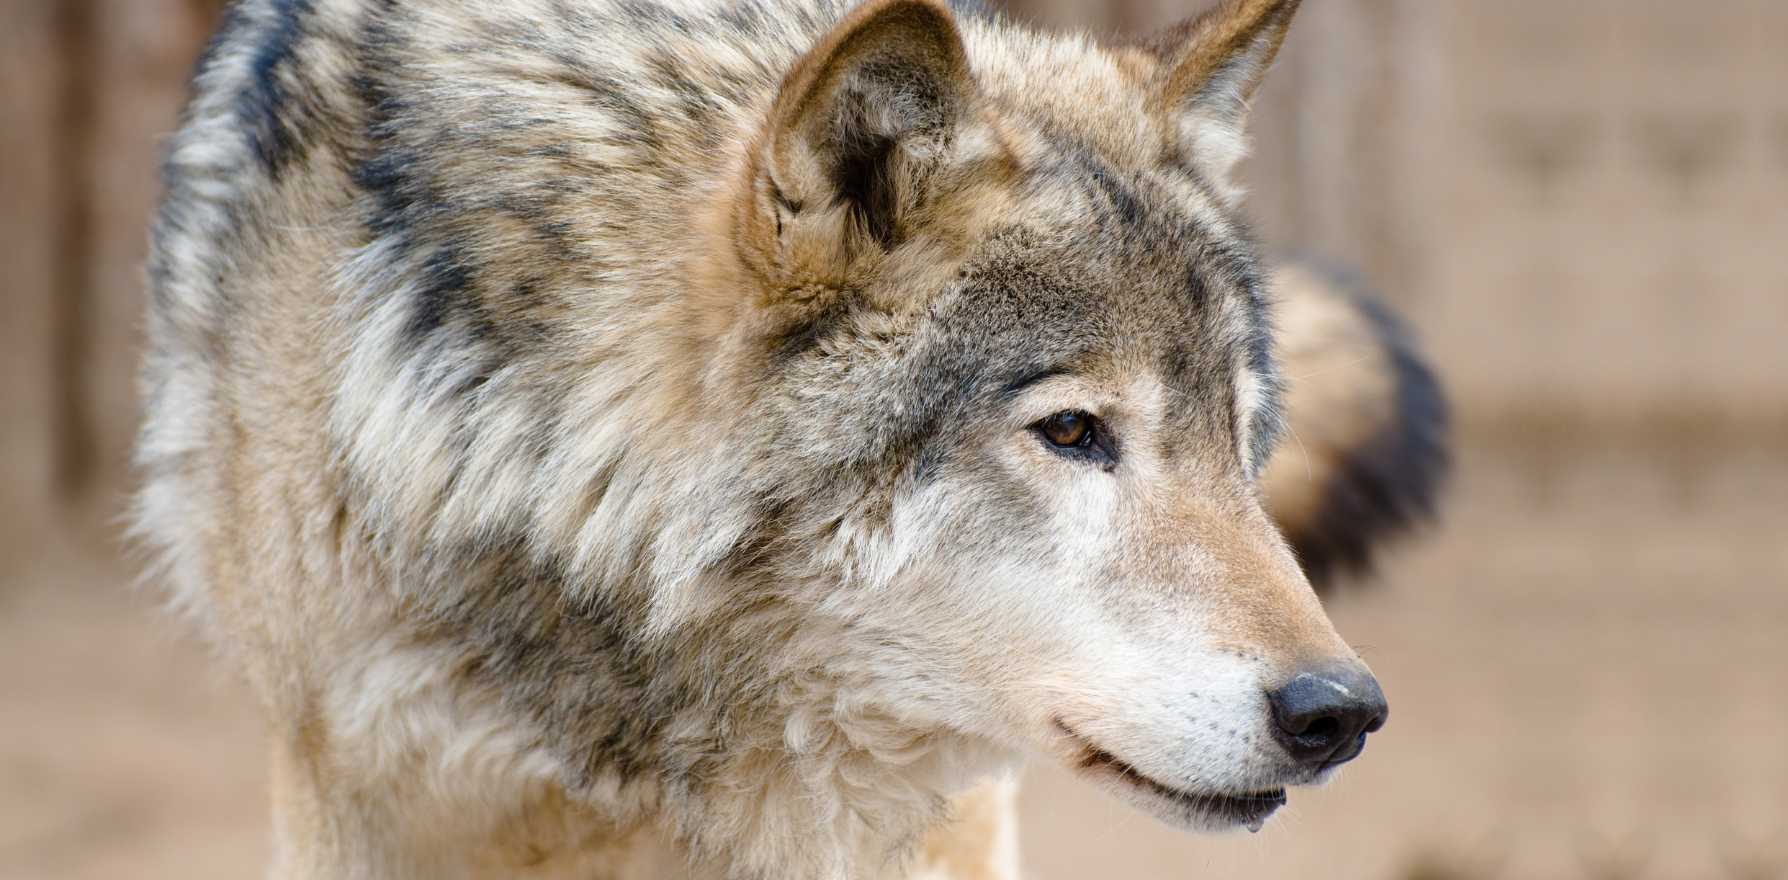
<point x="1042" y="343"/>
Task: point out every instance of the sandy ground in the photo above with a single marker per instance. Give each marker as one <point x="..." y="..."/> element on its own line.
<point x="1588" y="674"/>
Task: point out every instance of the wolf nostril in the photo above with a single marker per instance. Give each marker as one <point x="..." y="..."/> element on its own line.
<point x="1322" y="718"/>
<point x="1321" y="727"/>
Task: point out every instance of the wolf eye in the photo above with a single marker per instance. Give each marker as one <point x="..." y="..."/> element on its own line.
<point x="1068" y="430"/>
<point x="1080" y="436"/>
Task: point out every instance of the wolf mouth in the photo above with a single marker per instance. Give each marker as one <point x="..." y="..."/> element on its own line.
<point x="1247" y="808"/>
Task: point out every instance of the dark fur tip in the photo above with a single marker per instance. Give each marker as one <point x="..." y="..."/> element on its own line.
<point x="1392" y="482"/>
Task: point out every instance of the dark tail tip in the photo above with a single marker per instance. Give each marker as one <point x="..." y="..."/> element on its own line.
<point x="1388" y="482"/>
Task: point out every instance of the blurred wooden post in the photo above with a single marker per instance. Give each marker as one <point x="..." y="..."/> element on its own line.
<point x="29" y="98"/>
<point x="72" y="215"/>
<point x="88" y="89"/>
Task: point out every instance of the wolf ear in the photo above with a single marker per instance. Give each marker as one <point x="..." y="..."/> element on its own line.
<point x="858" y="127"/>
<point x="1213" y="64"/>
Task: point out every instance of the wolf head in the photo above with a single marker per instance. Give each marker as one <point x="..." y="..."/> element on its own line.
<point x="1002" y="312"/>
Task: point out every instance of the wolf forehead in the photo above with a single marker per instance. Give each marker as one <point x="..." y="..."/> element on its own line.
<point x="1096" y="272"/>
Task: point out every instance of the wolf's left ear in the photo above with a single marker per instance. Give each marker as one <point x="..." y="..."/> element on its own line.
<point x="1212" y="66"/>
<point x="859" y="126"/>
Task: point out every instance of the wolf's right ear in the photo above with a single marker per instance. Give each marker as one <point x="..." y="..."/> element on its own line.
<point x="858" y="128"/>
<point x="1212" y="64"/>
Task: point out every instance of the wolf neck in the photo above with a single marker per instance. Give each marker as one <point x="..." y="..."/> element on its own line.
<point x="811" y="783"/>
<point x="844" y="796"/>
<point x="816" y="782"/>
<point x="741" y="733"/>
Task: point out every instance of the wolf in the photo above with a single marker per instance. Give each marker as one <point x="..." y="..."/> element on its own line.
<point x="724" y="438"/>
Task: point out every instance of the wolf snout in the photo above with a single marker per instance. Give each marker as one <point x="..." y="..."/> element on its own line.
<point x="1322" y="717"/>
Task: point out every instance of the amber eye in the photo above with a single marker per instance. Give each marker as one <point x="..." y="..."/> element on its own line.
<point x="1069" y="430"/>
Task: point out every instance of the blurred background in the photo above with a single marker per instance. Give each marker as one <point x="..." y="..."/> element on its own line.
<point x="1579" y="204"/>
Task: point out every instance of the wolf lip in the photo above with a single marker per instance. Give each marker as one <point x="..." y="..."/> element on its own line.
<point x="1250" y="809"/>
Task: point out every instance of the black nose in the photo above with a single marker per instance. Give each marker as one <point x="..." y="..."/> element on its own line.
<point x="1323" y="717"/>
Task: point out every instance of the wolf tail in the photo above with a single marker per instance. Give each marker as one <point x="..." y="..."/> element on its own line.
<point x="1366" y="453"/>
